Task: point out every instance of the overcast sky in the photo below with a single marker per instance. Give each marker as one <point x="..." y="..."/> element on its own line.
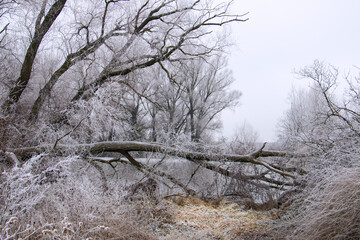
<point x="280" y="37"/>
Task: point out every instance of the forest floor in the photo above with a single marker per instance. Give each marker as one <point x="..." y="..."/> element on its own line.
<point x="193" y="218"/>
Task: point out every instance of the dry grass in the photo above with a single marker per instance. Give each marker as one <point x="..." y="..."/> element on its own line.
<point x="212" y="219"/>
<point x="333" y="210"/>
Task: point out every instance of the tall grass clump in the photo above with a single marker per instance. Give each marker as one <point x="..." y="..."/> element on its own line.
<point x="332" y="208"/>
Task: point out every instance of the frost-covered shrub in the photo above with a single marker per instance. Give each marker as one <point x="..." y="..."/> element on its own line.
<point x="62" y="198"/>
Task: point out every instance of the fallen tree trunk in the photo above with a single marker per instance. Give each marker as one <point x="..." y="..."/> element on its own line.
<point x="102" y="147"/>
<point x="205" y="160"/>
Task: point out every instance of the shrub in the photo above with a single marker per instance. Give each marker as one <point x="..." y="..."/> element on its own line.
<point x="56" y="198"/>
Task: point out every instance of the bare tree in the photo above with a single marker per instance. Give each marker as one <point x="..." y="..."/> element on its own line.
<point x="167" y="100"/>
<point x="207" y="93"/>
<point x="135" y="114"/>
<point x="244" y="139"/>
<point x="323" y="122"/>
<point x="325" y="78"/>
<point x="189" y="96"/>
<point x="302" y="126"/>
<point x="173" y="35"/>
<point x="42" y="25"/>
<point x="88" y="47"/>
<point x="127" y="35"/>
<point x="5" y="6"/>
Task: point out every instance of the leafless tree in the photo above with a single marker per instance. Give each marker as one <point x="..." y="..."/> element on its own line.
<point x="135" y="113"/>
<point x="322" y="122"/>
<point x="5" y="8"/>
<point x="121" y="37"/>
<point x="189" y="96"/>
<point x="43" y="23"/>
<point x="167" y="103"/>
<point x="69" y="50"/>
<point x="244" y="139"/>
<point x="325" y="78"/>
<point x="207" y="93"/>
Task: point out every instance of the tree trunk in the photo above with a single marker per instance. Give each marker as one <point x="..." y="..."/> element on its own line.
<point x="26" y="69"/>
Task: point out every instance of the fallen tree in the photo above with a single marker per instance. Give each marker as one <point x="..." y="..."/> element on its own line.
<point x="271" y="175"/>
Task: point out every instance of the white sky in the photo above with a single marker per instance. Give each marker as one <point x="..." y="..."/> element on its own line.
<point x="279" y="37"/>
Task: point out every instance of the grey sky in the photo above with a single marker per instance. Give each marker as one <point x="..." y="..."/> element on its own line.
<point x="280" y="36"/>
